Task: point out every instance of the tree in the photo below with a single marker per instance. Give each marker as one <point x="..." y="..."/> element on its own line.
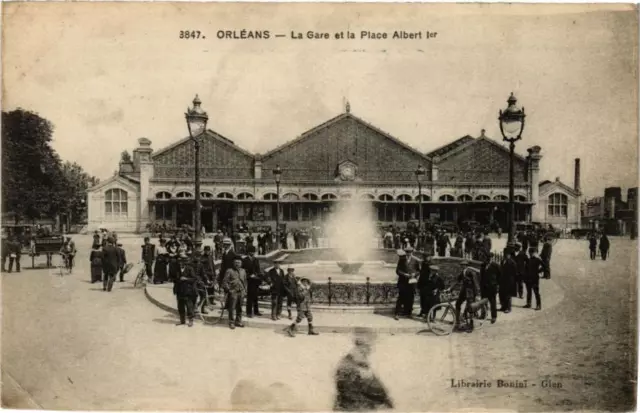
<point x="30" y="167"/>
<point x="73" y="189"/>
<point x="35" y="183"/>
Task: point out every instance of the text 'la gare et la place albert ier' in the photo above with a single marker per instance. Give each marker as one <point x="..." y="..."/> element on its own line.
<point x="315" y="35"/>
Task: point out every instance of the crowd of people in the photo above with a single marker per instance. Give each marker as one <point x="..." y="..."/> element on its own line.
<point x="521" y="266"/>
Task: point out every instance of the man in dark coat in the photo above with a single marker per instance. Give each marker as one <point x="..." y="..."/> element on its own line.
<point x="522" y="261"/>
<point x="604" y="246"/>
<point x="251" y="266"/>
<point x="122" y="261"/>
<point x="148" y="256"/>
<point x="430" y="284"/>
<point x="507" y="279"/>
<point x="276" y="279"/>
<point x="545" y="256"/>
<point x="593" y="246"/>
<point x="406" y="270"/>
<point x="227" y="257"/>
<point x="489" y="276"/>
<point x="532" y="278"/>
<point x="290" y="289"/>
<point x="358" y="388"/>
<point x="110" y="261"/>
<point x="234" y="284"/>
<point x="185" y="291"/>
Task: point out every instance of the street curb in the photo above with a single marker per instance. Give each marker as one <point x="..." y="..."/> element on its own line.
<point x="213" y="320"/>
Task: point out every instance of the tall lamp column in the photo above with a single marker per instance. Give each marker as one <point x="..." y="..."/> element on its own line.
<point x="419" y="172"/>
<point x="197" y="124"/>
<point x="511" y="127"/>
<point x="276" y="173"/>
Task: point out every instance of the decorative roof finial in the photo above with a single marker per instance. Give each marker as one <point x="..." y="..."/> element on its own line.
<point x="347" y="107"/>
<point x="482" y="131"/>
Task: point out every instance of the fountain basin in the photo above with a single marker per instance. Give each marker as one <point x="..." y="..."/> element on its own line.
<point x="375" y="284"/>
<point x="349" y="267"/>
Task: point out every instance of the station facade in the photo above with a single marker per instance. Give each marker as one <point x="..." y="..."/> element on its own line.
<point x="345" y="158"/>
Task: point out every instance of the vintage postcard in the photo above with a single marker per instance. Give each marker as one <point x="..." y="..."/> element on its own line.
<point x="319" y="207"/>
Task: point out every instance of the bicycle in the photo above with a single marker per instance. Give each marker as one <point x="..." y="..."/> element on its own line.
<point x="445" y="323"/>
<point x="139" y="281"/>
<point x="202" y="288"/>
<point x="65" y="266"/>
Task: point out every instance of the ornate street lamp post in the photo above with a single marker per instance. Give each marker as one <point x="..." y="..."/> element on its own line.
<point x="419" y="172"/>
<point x="276" y="173"/>
<point x="511" y="127"/>
<point x="197" y="125"/>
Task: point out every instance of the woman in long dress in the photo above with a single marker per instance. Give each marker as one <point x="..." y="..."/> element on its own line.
<point x="162" y="260"/>
<point x="291" y="244"/>
<point x="96" y="263"/>
<point x="174" y="265"/>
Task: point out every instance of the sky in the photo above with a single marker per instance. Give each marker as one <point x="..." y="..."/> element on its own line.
<point x="107" y="74"/>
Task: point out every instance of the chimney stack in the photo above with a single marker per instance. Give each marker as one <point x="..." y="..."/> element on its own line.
<point x="576" y="181"/>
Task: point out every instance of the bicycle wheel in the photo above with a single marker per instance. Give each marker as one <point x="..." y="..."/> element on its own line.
<point x="139" y="278"/>
<point x="442" y="319"/>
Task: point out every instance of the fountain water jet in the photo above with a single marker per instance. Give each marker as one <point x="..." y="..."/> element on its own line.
<point x="351" y="230"/>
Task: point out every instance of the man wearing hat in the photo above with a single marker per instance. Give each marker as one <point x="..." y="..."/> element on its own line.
<point x="227" y="258"/>
<point x="148" y="256"/>
<point x="532" y="278"/>
<point x="406" y="270"/>
<point x="110" y="263"/>
<point x="185" y="290"/>
<point x="468" y="292"/>
<point x="276" y="279"/>
<point x="122" y="260"/>
<point x="430" y="284"/>
<point x="489" y="276"/>
<point x="357" y="386"/>
<point x="234" y="284"/>
<point x="507" y="280"/>
<point x="251" y="266"/>
<point x="522" y="260"/>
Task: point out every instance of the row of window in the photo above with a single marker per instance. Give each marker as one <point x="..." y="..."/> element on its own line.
<point x="116" y="204"/>
<point x="328" y="197"/>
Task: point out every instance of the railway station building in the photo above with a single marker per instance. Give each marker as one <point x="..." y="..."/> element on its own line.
<point x="344" y="158"/>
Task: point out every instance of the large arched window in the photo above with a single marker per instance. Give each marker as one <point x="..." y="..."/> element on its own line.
<point x="404" y="198"/>
<point x="184" y="194"/>
<point x="465" y="198"/>
<point x="500" y="198"/>
<point x="385" y="198"/>
<point x="245" y="196"/>
<point x="483" y="198"/>
<point x="558" y="205"/>
<point x="367" y="197"/>
<point x="270" y="196"/>
<point x="163" y="195"/>
<point x="290" y="197"/>
<point x="115" y="203"/>
<point x="310" y="197"/>
<point x="520" y="198"/>
<point x="224" y="195"/>
<point x="328" y="197"/>
<point x="446" y="198"/>
<point x="206" y="195"/>
<point x="425" y="198"/>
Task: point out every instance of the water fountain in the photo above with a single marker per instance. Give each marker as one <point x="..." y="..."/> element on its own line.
<point x="353" y="270"/>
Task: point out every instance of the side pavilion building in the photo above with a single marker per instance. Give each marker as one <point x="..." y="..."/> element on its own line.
<point x="344" y="158"/>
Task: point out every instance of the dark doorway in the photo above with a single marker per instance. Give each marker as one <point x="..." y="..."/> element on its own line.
<point x="225" y="216"/>
<point x="206" y="218"/>
<point x="184" y="215"/>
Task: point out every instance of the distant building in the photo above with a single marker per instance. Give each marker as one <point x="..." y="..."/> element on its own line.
<point x="559" y="203"/>
<point x="609" y="213"/>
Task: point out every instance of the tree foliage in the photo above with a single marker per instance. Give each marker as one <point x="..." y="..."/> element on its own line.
<point x="35" y="183"/>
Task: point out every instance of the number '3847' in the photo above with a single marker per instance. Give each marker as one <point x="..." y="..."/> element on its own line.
<point x="190" y="34"/>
